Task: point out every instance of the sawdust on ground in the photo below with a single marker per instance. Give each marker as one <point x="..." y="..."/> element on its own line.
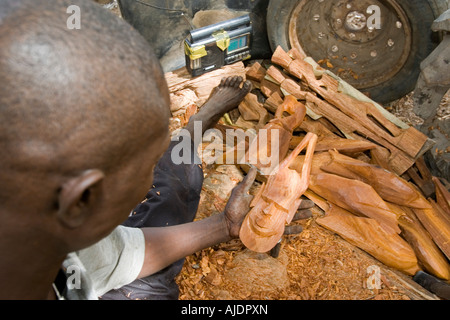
<point x="403" y="109"/>
<point x="313" y="265"/>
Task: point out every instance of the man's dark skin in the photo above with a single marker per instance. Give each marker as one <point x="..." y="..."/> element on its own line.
<point x="84" y="121"/>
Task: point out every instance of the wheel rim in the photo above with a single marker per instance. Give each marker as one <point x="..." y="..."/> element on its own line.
<point x="337" y="34"/>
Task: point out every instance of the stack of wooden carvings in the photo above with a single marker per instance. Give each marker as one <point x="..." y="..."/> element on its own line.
<point x="357" y="168"/>
<point x="367" y="172"/>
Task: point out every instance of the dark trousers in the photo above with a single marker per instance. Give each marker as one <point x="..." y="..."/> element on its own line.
<point x="172" y="200"/>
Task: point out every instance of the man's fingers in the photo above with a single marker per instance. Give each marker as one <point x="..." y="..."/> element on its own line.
<point x="240" y="192"/>
<point x="249" y="179"/>
<point x="306" y="204"/>
<point x="302" y="215"/>
<point x="295" y="229"/>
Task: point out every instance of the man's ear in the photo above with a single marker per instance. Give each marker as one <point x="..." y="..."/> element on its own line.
<point x="75" y="197"/>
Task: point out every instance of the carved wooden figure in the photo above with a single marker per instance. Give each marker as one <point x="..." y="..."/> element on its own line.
<point x="277" y="201"/>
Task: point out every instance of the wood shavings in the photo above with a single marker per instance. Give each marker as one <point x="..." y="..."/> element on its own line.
<point x="319" y="265"/>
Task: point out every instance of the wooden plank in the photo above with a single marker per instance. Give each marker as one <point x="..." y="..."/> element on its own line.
<point x="201" y="86"/>
<point x="375" y="125"/>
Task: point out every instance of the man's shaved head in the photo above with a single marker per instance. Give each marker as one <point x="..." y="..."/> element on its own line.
<point x="73" y="99"/>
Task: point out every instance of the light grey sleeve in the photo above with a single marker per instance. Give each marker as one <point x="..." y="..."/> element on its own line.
<point x="115" y="260"/>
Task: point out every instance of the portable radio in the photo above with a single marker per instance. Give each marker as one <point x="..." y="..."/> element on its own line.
<point x="219" y="44"/>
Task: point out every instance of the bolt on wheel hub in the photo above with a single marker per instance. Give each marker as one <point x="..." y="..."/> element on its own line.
<point x="355" y="21"/>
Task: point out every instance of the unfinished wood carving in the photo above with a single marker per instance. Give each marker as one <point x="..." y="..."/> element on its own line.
<point x="283" y="125"/>
<point x="428" y="254"/>
<point x="355" y="119"/>
<point x="355" y="196"/>
<point x="368" y="235"/>
<point x="388" y="185"/>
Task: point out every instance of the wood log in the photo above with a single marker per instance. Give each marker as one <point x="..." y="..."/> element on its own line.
<point x="295" y="54"/>
<point x="380" y="156"/>
<point x="263" y="116"/>
<point x="248" y="111"/>
<point x="409" y="141"/>
<point x="268" y="88"/>
<point x="332" y="128"/>
<point x="287" y="85"/>
<point x="367" y="234"/>
<point x="309" y="125"/>
<point x="318" y="200"/>
<point x="398" y="161"/>
<point x="440" y="211"/>
<point x="319" y="159"/>
<point x="244" y="124"/>
<point x="276" y="75"/>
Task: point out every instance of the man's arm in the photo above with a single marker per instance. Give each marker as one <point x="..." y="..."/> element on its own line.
<point x="164" y="246"/>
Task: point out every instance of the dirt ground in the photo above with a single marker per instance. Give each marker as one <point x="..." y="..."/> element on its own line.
<point x="313" y="265"/>
<point x="403" y="109"/>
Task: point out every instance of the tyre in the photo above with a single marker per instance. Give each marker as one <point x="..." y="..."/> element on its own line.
<point x="375" y="45"/>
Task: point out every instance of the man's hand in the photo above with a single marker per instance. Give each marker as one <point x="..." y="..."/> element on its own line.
<point x="239" y="204"/>
<point x="303" y="213"/>
<point x="165" y="245"/>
